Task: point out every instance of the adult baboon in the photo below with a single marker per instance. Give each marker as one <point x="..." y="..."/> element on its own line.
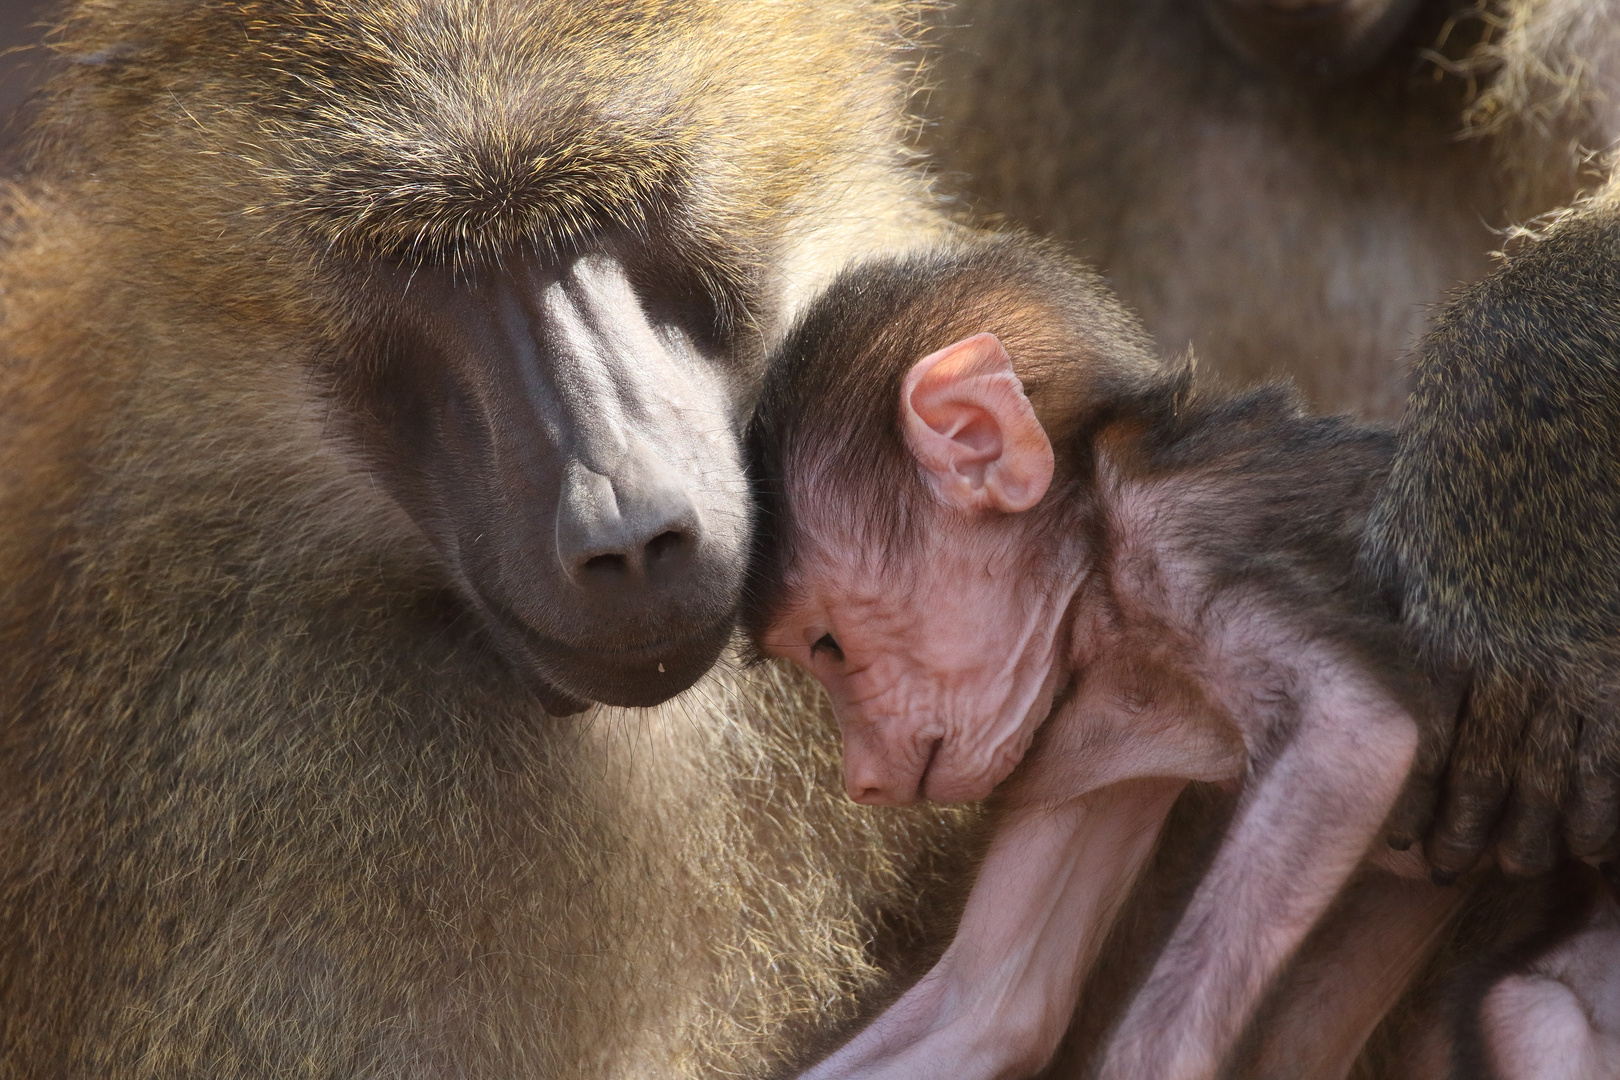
<point x="371" y="374"/>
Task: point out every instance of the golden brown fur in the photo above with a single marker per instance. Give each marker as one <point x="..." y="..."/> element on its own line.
<point x="270" y="803"/>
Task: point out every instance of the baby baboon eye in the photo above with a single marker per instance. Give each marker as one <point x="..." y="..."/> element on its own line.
<point x="827" y="643"/>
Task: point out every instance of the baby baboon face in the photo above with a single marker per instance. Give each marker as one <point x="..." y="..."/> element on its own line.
<point x="941" y="659"/>
<point x="938" y="674"/>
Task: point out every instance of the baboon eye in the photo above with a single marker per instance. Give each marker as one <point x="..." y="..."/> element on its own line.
<point x="826" y="643"/>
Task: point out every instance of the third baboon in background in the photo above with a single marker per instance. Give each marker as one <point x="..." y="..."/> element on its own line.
<point x="1293" y="188"/>
<point x="1277" y="223"/>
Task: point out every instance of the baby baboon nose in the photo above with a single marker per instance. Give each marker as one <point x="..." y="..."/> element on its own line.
<point x="871" y="787"/>
<point x="869" y="794"/>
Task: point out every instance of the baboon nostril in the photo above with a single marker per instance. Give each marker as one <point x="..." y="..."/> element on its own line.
<point x="664" y="545"/>
<point x="612" y="563"/>
<point x="661" y="554"/>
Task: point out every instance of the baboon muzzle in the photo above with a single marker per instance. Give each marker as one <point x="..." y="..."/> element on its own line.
<point x="579" y="476"/>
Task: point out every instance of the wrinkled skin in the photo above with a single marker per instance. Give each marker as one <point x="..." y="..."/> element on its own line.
<point x="938" y="691"/>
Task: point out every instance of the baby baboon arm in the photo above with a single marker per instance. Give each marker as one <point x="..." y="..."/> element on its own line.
<point x="1350" y="972"/>
<point x="1306" y="820"/>
<point x="999" y="1000"/>
<point x="1499" y="531"/>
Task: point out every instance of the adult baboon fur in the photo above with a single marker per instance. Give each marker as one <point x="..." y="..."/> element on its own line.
<point x="21" y="65"/>
<point x="274" y="799"/>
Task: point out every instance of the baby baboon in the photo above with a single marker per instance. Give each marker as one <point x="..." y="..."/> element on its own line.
<point x="1037" y="556"/>
<point x="372" y="375"/>
<point x="1295" y="188"/>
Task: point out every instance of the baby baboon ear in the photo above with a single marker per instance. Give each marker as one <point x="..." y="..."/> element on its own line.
<point x="970" y="427"/>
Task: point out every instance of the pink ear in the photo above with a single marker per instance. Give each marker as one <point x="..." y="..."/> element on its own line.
<point x="972" y="430"/>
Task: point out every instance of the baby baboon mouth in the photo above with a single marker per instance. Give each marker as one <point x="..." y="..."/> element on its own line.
<point x="922" y="777"/>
